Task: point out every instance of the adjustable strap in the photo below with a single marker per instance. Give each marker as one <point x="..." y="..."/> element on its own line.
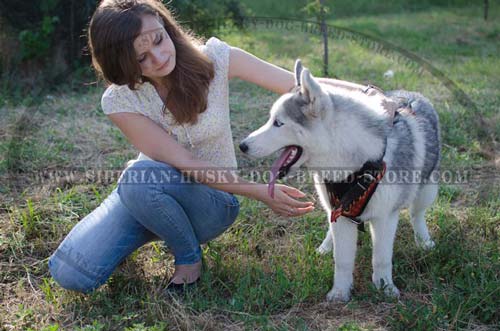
<point x="338" y="212"/>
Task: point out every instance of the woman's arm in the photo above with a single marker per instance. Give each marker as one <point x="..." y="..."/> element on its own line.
<point x="250" y="68"/>
<point x="340" y="83"/>
<point x="152" y="140"/>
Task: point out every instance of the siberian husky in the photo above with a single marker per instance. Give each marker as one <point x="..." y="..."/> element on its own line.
<point x="380" y="145"/>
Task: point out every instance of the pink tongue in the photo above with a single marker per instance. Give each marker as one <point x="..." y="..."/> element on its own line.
<point x="276" y="167"/>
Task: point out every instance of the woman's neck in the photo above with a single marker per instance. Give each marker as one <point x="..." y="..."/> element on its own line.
<point x="160" y="89"/>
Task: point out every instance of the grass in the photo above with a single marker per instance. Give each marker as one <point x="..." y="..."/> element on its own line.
<point x="263" y="273"/>
<point x="345" y="8"/>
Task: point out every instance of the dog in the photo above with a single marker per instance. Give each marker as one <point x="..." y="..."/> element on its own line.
<point x="382" y="150"/>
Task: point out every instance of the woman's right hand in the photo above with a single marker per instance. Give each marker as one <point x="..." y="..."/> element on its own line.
<point x="284" y="203"/>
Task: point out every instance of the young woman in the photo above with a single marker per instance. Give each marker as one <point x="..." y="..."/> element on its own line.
<point x="168" y="94"/>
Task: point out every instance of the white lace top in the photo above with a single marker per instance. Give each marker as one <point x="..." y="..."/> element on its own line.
<point x="210" y="139"/>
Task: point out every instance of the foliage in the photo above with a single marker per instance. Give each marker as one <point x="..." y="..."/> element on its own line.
<point x="37" y="43"/>
<point x="205" y="16"/>
<point x="52" y="43"/>
<point x="315" y="9"/>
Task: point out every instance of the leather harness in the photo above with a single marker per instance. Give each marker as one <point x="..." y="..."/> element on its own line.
<point x="349" y="197"/>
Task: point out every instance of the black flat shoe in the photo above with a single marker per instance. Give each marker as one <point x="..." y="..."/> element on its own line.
<point x="181" y="288"/>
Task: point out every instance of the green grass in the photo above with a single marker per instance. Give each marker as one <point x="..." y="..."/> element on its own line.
<point x="263" y="273"/>
<point x="345" y="8"/>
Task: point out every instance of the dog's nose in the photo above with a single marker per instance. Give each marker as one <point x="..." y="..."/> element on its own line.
<point x="243" y="147"/>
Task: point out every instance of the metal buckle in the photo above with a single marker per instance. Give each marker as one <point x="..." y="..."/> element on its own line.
<point x="370" y="177"/>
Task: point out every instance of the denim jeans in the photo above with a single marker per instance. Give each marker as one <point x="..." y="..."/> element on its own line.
<point x="153" y="201"/>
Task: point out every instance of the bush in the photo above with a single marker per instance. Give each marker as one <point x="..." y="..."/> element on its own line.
<point x="50" y="38"/>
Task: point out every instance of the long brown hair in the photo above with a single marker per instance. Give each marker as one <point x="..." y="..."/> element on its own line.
<point x="112" y="30"/>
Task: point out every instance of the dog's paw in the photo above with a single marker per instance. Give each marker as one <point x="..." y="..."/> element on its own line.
<point x="391" y="291"/>
<point x="426" y="244"/>
<point x="338" y="295"/>
<point x="324" y="249"/>
<point x="387" y="286"/>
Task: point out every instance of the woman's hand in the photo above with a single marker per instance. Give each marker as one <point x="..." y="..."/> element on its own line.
<point x="284" y="203"/>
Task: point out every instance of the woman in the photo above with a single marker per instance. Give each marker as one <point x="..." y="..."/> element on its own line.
<point x="168" y="95"/>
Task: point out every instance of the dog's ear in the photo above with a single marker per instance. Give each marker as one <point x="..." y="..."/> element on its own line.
<point x="298" y="71"/>
<point x="309" y="87"/>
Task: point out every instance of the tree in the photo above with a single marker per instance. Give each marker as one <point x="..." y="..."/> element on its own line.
<point x="50" y="36"/>
<point x="318" y="10"/>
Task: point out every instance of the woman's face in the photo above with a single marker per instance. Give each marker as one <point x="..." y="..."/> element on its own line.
<point x="154" y="49"/>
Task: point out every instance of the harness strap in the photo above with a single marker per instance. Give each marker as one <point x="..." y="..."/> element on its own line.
<point x="350" y="201"/>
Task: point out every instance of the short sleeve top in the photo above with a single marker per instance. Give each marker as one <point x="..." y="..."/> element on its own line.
<point x="210" y="139"/>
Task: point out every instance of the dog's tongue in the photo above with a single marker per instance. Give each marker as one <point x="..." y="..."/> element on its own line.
<point x="275" y="169"/>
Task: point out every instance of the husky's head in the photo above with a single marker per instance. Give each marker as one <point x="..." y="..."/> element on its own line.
<point x="294" y="126"/>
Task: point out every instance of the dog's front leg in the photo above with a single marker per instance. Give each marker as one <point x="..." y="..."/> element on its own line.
<point x="383" y="231"/>
<point x="327" y="244"/>
<point x="345" y="236"/>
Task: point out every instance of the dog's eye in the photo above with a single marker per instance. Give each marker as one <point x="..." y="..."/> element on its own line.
<point x="277" y="123"/>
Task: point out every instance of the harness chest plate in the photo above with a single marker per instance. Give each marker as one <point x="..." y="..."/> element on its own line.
<point x="350" y="197"/>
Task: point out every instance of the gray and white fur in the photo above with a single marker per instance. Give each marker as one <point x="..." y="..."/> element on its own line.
<point x="343" y="127"/>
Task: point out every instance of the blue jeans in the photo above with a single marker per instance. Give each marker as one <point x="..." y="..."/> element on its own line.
<point x="153" y="201"/>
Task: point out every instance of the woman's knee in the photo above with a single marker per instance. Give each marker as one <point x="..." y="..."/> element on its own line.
<point x="136" y="181"/>
<point x="233" y="211"/>
<point x="232" y="205"/>
<point x="70" y="277"/>
<point x="223" y="223"/>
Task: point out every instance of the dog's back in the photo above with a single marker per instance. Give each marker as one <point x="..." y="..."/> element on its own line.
<point x="414" y="107"/>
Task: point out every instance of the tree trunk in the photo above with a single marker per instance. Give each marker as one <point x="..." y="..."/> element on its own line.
<point x="324" y="31"/>
<point x="485" y="10"/>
